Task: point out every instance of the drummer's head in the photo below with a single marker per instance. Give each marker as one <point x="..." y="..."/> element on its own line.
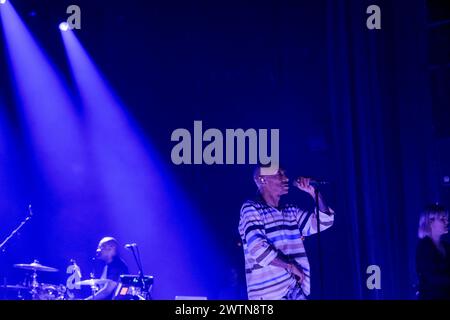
<point x="107" y="249"/>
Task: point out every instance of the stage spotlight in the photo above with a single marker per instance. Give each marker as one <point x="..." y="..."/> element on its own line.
<point x="2" y="2"/>
<point x="63" y="26"/>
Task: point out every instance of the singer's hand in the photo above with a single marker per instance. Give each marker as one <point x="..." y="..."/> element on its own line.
<point x="297" y="272"/>
<point x="303" y="185"/>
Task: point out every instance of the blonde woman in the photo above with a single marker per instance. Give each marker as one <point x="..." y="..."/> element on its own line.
<point x="433" y="254"/>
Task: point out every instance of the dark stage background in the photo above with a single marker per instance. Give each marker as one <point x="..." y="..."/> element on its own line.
<point x="362" y="108"/>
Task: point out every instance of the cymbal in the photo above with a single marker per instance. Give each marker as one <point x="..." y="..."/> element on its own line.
<point x="9" y="287"/>
<point x="35" y="266"/>
<point x="92" y="282"/>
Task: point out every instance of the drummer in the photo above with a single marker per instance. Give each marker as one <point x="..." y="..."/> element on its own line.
<point x="110" y="266"/>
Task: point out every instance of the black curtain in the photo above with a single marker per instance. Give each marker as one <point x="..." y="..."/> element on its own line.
<point x="381" y="119"/>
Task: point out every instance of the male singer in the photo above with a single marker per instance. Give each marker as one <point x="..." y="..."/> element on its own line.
<point x="110" y="267"/>
<point x="276" y="264"/>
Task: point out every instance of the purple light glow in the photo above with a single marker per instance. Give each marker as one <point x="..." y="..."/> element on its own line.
<point x="3" y="140"/>
<point x="139" y="195"/>
<point x="46" y="108"/>
<point x="12" y="206"/>
<point x="5" y="149"/>
<point x="57" y="156"/>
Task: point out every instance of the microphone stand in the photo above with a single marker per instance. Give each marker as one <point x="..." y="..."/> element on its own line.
<point x="15" y="231"/>
<point x="137" y="258"/>
<point x="138" y="261"/>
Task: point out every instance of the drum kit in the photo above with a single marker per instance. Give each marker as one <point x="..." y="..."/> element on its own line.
<point x="32" y="289"/>
<point x="135" y="287"/>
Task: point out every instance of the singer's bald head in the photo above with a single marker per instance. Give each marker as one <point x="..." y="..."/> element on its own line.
<point x="271" y="181"/>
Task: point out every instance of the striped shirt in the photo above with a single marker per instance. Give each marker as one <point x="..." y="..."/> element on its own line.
<point x="267" y="232"/>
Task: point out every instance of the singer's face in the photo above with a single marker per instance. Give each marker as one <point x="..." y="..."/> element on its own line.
<point x="277" y="184"/>
<point x="439" y="226"/>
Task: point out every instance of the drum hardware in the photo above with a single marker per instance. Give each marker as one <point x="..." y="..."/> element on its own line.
<point x="95" y="284"/>
<point x="134" y="287"/>
<point x="18" y="288"/>
<point x="14" y="287"/>
<point x="46" y="291"/>
<point x="130" y="287"/>
<point x="39" y="291"/>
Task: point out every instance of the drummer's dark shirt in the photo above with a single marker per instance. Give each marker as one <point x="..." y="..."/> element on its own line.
<point x="116" y="268"/>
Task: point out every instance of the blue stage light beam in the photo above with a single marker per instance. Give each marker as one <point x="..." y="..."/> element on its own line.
<point x="3" y="137"/>
<point x="5" y="164"/>
<point x="140" y="194"/>
<point x="45" y="107"/>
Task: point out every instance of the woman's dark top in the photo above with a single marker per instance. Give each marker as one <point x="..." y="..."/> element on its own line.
<point x="433" y="270"/>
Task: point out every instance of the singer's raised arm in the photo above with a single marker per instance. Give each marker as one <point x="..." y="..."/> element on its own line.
<point x="307" y="220"/>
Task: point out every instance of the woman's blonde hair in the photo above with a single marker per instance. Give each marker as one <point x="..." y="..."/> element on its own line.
<point x="428" y="216"/>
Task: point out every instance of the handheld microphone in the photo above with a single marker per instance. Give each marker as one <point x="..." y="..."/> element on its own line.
<point x="318" y="182"/>
<point x="313" y="182"/>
